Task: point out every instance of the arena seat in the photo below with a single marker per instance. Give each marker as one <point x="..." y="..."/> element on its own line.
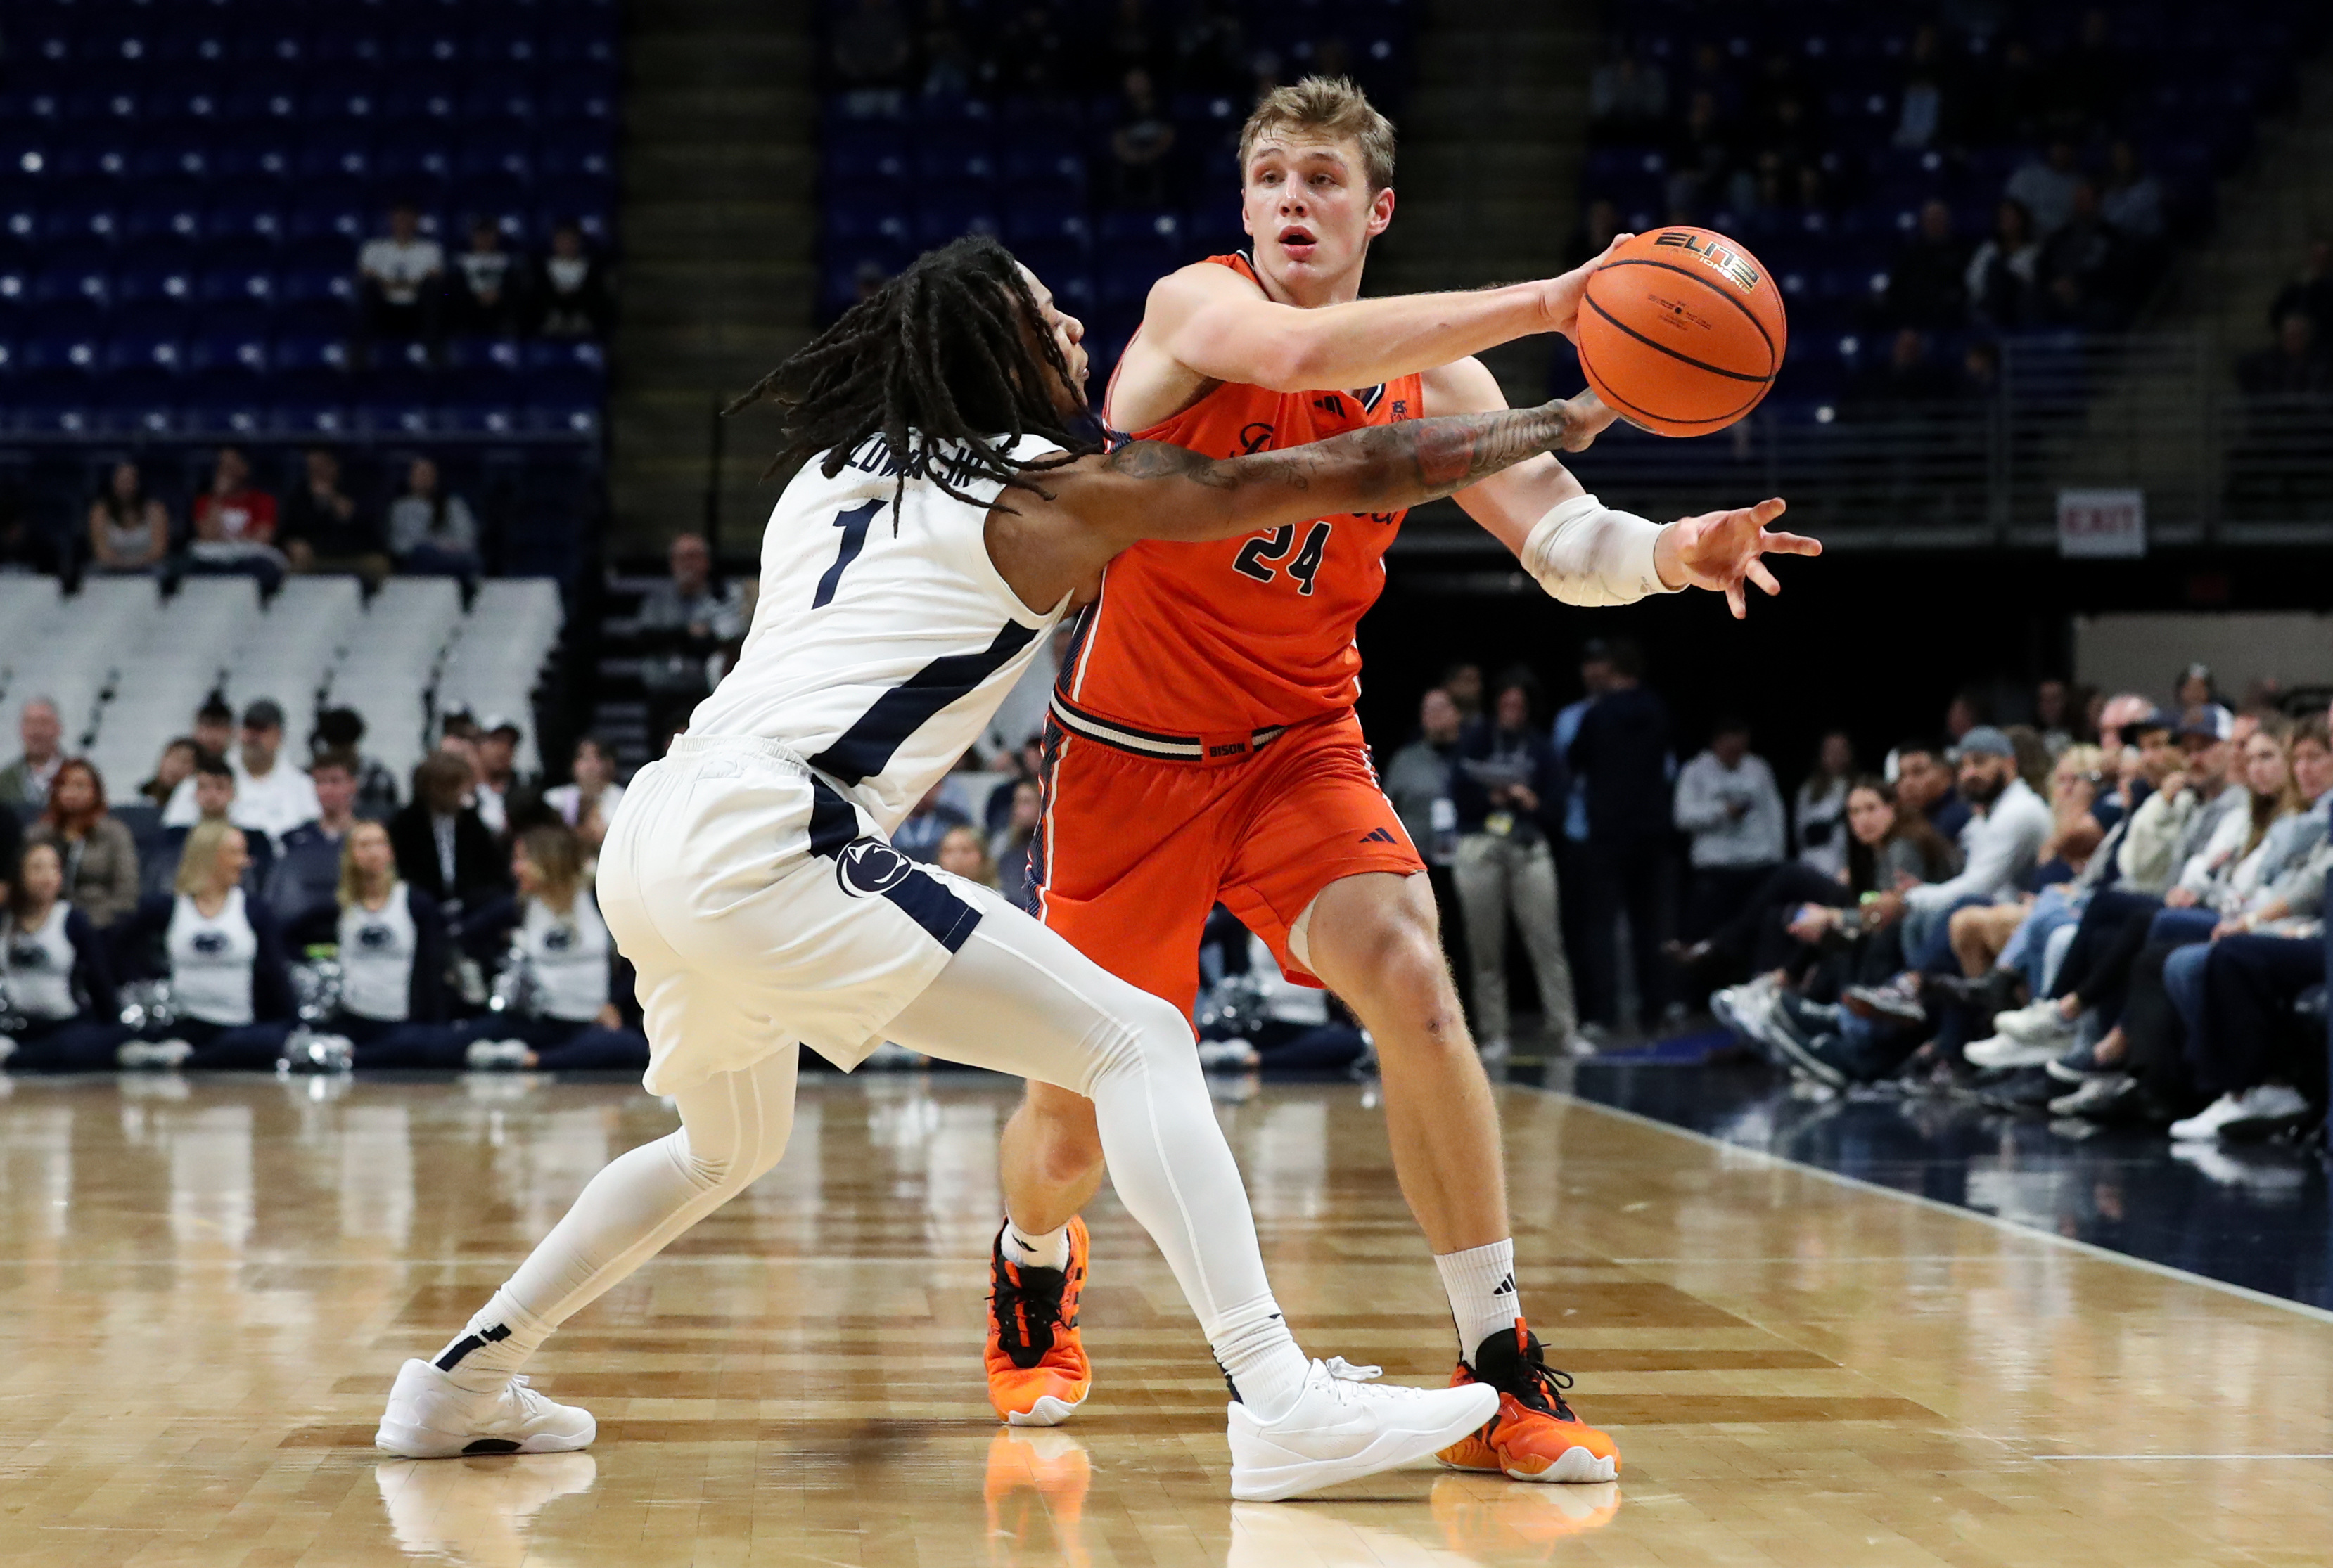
<point x="392" y="664"/>
<point x="506" y="639"/>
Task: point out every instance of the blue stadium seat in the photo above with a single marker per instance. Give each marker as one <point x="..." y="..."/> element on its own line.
<point x="71" y="282"/>
<point x="499" y="100"/>
<point x="310" y="416"/>
<point x="177" y="159"/>
<point x="271" y="41"/>
<point x="962" y="167"/>
<point x="246" y="224"/>
<point x="229" y="350"/>
<point x="491" y="153"/>
<point x="1042" y="175"/>
<point x="1057" y="223"/>
<point x="415" y="165"/>
<point x="427" y="44"/>
<point x="278" y="106"/>
<point x="576" y="156"/>
<point x="86" y="218"/>
<point x="248" y="153"/>
<point x="477" y="416"/>
<point x="867" y="169"/>
<point x="378" y="415"/>
<point x="425" y="103"/>
<point x="222" y="411"/>
<point x="945" y="215"/>
<point x="237" y="285"/>
<point x="337" y="153"/>
<point x="15" y="286"/>
<point x="336" y="215"/>
<point x="95" y="161"/>
<point x="347" y="43"/>
<point x="568" y="104"/>
<point x="145" y="352"/>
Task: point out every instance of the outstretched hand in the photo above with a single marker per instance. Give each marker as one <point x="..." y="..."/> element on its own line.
<point x="1563" y="294"/>
<point x="1723" y="551"/>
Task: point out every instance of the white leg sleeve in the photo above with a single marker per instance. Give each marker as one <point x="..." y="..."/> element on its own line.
<point x="733" y="1129"/>
<point x="1019" y="1000"/>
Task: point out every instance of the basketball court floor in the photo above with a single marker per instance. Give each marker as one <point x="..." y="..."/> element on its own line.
<point x="208" y="1287"/>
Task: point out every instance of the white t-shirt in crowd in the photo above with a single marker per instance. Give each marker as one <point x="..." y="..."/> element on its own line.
<point x="1707" y="794"/>
<point x="567" y="799"/>
<point x="274" y="803"/>
<point x="400" y="267"/>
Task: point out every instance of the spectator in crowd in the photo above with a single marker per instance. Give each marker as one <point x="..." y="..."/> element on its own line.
<point x="57" y="972"/>
<point x="576" y="296"/>
<point x="343" y="729"/>
<point x="2053" y="714"/>
<point x="2310" y="294"/>
<point x="431" y="534"/>
<point x="322" y="528"/>
<point x="1727" y="800"/>
<point x="1818" y="812"/>
<point x="1924" y="783"/>
<point x="391" y="945"/>
<point x="1416" y="778"/>
<point x="2294" y="369"/>
<point x="588" y="803"/>
<point x="1621" y="754"/>
<point x="442" y="847"/>
<point x="235" y="524"/>
<point x="272" y="795"/>
<point x="1928" y="109"/>
<point x="1014" y="847"/>
<point x="2003" y="278"/>
<point x="484" y="296"/>
<point x="918" y="836"/>
<point x="964" y="852"/>
<point x="40" y="730"/>
<point x="2085" y="269"/>
<point x="230" y="986"/>
<point x="495" y="762"/>
<point x="1628" y="95"/>
<point x="1506" y="786"/>
<point x="2132" y="201"/>
<point x="172" y="768"/>
<point x="11" y="845"/>
<point x="302" y="887"/>
<point x="129" y="530"/>
<point x="398" y="278"/>
<point x="99" y="857"/>
<point x="1141" y="142"/>
<point x="1928" y="285"/>
<point x="682" y="620"/>
<point x="214" y="726"/>
<point x="1909" y="381"/>
<point x="2196" y="692"/>
<point x="2045" y="185"/>
<point x="1463" y="683"/>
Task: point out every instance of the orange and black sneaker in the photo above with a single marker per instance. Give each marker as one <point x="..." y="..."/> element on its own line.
<point x="1037" y="1368"/>
<point x="1534" y="1437"/>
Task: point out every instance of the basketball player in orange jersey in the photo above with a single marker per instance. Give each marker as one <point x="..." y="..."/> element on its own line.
<point x="1203" y="744"/>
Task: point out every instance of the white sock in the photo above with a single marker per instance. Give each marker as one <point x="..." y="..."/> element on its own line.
<point x="1046" y="1249"/>
<point x="1481" y="1285"/>
<point x="492" y="1345"/>
<point x="1260" y="1357"/>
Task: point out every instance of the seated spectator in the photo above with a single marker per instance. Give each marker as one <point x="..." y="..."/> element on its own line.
<point x="497" y="790"/>
<point x="575" y="295"/>
<point x="25" y="781"/>
<point x="1727" y="800"/>
<point x="2044" y="187"/>
<point x="323" y="529"/>
<point x="398" y="277"/>
<point x="302" y="887"/>
<point x="964" y="852"/>
<point x="215" y="726"/>
<point x="2294" y="369"/>
<point x="1980" y="933"/>
<point x="2132" y="201"/>
<point x="1014" y="846"/>
<point x="431" y="534"/>
<point x="2003" y="277"/>
<point x="272" y="795"/>
<point x="681" y="621"/>
<point x="2054" y="714"/>
<point x="442" y="847"/>
<point x="1818" y="811"/>
<point x="1929" y="110"/>
<point x="99" y="857"/>
<point x="171" y="769"/>
<point x="918" y="836"/>
<point x="1141" y="143"/>
<point x="129" y="530"/>
<point x="234" y="525"/>
<point x="1507" y="797"/>
<point x="485" y="297"/>
<point x="2085" y="268"/>
<point x="57" y="972"/>
<point x="1928" y="284"/>
<point x="343" y="729"/>
<point x="588" y="803"/>
<point x="1924" y="783"/>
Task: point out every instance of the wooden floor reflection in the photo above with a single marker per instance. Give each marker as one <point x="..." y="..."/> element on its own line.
<point x="208" y="1287"/>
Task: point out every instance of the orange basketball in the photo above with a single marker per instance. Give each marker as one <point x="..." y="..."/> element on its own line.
<point x="1681" y="331"/>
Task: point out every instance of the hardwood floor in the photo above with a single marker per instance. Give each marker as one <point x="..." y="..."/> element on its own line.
<point x="205" y="1286"/>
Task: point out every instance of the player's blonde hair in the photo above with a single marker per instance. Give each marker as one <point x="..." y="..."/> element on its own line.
<point x="1329" y="106"/>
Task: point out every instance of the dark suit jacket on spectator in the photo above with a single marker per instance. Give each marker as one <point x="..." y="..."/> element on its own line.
<point x="479" y="867"/>
<point x="1484" y="741"/>
<point x="1622" y="755"/>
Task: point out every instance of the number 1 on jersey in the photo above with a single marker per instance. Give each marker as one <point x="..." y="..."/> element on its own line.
<point x="853" y="521"/>
<point x="1258" y="555"/>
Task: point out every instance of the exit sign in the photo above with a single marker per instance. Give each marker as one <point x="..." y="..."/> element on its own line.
<point x="2102" y="523"/>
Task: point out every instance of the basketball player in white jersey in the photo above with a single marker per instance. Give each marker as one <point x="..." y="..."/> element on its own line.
<point x="946" y="515"/>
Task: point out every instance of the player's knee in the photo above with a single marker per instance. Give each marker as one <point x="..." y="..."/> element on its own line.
<point x="1144" y="1033"/>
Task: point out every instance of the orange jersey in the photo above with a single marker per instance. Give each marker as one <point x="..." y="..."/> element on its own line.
<point x="1241" y="634"/>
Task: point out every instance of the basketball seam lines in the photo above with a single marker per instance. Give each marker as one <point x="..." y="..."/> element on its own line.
<point x="1663" y="347"/>
<point x="1773" y="354"/>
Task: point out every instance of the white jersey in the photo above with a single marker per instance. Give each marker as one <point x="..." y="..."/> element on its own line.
<point x="211" y="960"/>
<point x="38" y="961"/>
<point x="378" y="948"/>
<point x="569" y="954"/>
<point x="884" y="637"/>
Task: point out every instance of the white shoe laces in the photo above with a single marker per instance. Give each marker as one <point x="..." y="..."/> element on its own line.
<point x="1346" y="1380"/>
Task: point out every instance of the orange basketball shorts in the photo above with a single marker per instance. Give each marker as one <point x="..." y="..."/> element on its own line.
<point x="1138" y="848"/>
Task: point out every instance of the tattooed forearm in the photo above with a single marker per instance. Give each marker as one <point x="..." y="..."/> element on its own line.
<point x="1379" y="469"/>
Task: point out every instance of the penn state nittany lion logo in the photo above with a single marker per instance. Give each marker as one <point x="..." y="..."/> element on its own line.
<point x="28" y="955"/>
<point x="869" y="868"/>
<point x="209" y="942"/>
<point x="376" y="938"/>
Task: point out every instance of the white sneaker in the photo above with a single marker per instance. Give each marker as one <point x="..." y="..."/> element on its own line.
<point x="430" y="1418"/>
<point x="2261" y="1102"/>
<point x="487" y="1056"/>
<point x="2035" y="1021"/>
<point x="1228" y="1055"/>
<point x="7" y="1049"/>
<point x="1341" y="1428"/>
<point x="154" y="1054"/>
<point x="2005" y="1050"/>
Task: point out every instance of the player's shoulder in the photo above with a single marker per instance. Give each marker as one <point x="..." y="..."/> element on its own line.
<point x="1203" y="282"/>
<point x="1462" y="386"/>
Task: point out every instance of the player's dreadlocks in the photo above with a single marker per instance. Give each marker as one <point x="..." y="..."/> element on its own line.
<point x="950" y="381"/>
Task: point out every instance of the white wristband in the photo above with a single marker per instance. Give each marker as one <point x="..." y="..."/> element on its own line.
<point x="1584" y="553"/>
